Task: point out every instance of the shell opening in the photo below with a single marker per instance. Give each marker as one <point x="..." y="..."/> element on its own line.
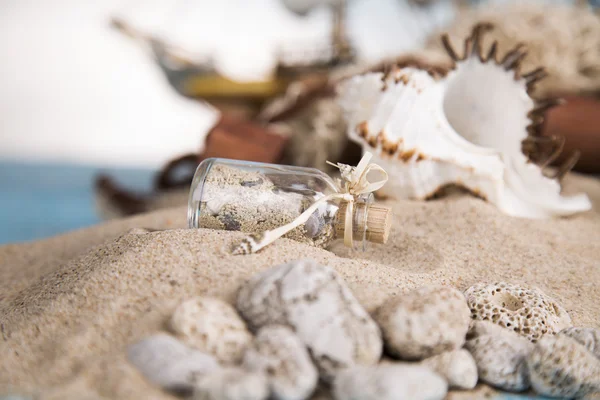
<point x="487" y="106"/>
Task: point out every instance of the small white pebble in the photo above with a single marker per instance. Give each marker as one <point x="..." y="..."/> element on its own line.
<point x="167" y="362"/>
<point x="214" y="205"/>
<point x="457" y="367"/>
<point x="282" y="356"/>
<point x="213" y="326"/>
<point x="561" y="367"/>
<point x="482" y="328"/>
<point x="424" y="322"/>
<point x="231" y="383"/>
<point x="500" y="355"/>
<point x="589" y="337"/>
<point x="390" y="381"/>
<point x="315" y="302"/>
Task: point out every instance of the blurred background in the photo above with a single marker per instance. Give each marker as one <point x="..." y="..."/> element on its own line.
<point x="107" y="106"/>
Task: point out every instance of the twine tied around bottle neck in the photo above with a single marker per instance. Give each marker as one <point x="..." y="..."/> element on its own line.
<point x="352" y="185"/>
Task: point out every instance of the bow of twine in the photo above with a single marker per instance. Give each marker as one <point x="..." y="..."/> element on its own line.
<point x="352" y="185"/>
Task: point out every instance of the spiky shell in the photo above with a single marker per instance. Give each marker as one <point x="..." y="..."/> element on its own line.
<point x="561" y="36"/>
<point x="477" y="127"/>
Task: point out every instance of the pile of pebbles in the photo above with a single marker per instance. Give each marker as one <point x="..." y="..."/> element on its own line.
<point x="297" y="329"/>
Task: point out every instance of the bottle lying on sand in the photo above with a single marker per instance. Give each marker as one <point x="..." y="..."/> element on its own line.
<point x="270" y="201"/>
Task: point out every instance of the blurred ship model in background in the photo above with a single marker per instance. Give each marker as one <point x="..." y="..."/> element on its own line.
<point x="294" y="117"/>
<point x="239" y="133"/>
<point x="228" y="88"/>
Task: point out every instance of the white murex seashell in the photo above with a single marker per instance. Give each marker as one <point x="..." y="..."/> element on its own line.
<point x="477" y="127"/>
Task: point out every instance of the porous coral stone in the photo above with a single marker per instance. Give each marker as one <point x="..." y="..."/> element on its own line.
<point x="526" y="311"/>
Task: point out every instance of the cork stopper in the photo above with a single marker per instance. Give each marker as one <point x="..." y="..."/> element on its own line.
<point x="378" y="220"/>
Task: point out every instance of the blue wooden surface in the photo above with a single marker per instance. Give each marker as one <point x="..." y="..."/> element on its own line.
<point x="42" y="200"/>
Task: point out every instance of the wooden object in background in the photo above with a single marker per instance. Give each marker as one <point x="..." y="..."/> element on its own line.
<point x="578" y="120"/>
<point x="241" y="139"/>
<point x="232" y="137"/>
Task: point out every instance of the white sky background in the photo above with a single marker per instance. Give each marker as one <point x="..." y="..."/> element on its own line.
<point x="73" y="89"/>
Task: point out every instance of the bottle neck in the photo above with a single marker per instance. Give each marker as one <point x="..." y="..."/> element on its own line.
<point x="370" y="222"/>
<point x="359" y="222"/>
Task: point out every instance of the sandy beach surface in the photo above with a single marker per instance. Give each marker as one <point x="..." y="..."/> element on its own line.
<point x="69" y="305"/>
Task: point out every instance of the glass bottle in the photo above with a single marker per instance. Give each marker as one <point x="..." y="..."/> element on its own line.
<point x="254" y="197"/>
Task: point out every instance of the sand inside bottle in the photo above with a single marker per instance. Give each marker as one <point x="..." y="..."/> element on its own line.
<point x="235" y="199"/>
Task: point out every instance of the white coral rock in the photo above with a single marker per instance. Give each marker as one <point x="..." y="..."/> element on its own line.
<point x="213" y="326"/>
<point x="280" y="354"/>
<point x="167" y="362"/>
<point x="393" y="381"/>
<point x="589" y="337"/>
<point x="527" y="311"/>
<point x="457" y="367"/>
<point x="424" y="322"/>
<point x="316" y="303"/>
<point x="559" y="366"/>
<point x="500" y="355"/>
<point x="231" y="383"/>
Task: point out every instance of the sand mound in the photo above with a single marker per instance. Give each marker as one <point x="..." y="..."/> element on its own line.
<point x="70" y="305"/>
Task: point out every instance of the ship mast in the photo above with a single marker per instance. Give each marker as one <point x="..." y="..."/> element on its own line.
<point x="341" y="45"/>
